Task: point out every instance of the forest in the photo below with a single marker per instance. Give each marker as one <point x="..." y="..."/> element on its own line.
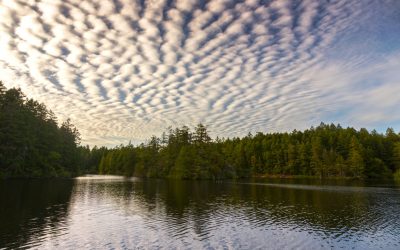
<point x="32" y="144"/>
<point x="326" y="151"/>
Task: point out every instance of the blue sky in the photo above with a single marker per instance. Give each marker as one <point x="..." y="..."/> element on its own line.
<point x="125" y="70"/>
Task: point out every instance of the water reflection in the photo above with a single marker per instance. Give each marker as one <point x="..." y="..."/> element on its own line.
<point x="32" y="210"/>
<point x="121" y="213"/>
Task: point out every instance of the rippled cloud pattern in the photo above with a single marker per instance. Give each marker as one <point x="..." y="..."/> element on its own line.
<point x="124" y="70"/>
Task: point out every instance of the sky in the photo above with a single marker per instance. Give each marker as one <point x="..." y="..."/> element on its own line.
<point x="124" y="70"/>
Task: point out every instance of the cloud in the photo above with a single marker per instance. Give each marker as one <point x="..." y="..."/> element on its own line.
<point x="124" y="70"/>
<point x="374" y="87"/>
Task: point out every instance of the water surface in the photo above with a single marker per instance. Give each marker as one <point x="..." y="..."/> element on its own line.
<point x="103" y="212"/>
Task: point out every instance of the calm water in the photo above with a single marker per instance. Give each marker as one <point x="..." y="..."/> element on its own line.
<point x="116" y="213"/>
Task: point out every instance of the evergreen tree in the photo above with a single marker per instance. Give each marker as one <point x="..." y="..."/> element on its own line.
<point x="356" y="161"/>
<point x="31" y="142"/>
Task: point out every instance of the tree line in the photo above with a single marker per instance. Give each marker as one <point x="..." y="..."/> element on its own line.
<point x="32" y="144"/>
<point x="326" y="151"/>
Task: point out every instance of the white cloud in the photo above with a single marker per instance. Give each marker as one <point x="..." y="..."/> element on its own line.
<point x="128" y="71"/>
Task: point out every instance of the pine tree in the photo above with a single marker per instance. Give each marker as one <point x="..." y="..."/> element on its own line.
<point x="316" y="154"/>
<point x="396" y="156"/>
<point x="356" y="161"/>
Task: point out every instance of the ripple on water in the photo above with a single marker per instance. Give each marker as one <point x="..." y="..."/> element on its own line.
<point x="114" y="212"/>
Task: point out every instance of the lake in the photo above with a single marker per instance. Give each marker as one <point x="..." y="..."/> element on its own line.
<point x="111" y="212"/>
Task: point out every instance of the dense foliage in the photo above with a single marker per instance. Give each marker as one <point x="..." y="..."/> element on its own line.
<point x="325" y="151"/>
<point x="32" y="144"/>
